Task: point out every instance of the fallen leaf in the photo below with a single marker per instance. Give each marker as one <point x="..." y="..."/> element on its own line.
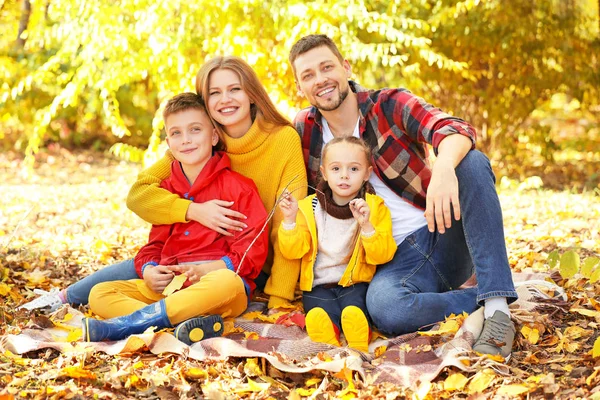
<point x="588" y="266"/>
<point x="596" y="349"/>
<point x="514" y="389"/>
<point x="569" y="264"/>
<point x="77" y="373"/>
<point x="481" y="381"/>
<point x="532" y="335"/>
<point x="455" y="382"/>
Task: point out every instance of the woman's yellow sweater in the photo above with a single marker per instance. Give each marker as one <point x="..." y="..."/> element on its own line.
<point x="272" y="158"/>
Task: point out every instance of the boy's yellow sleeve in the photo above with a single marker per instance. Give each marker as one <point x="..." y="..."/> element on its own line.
<point x="151" y="202"/>
<point x="381" y="247"/>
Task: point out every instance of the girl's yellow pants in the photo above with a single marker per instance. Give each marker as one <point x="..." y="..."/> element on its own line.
<point x="218" y="292"/>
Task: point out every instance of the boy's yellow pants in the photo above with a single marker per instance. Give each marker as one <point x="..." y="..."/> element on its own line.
<point x="218" y="292"/>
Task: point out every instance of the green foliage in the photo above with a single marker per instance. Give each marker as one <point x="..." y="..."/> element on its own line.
<point x="89" y="68"/>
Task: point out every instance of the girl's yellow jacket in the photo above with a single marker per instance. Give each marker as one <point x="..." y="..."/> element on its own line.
<point x="301" y="242"/>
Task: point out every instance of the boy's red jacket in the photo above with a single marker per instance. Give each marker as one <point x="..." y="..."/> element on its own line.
<point x="189" y="242"/>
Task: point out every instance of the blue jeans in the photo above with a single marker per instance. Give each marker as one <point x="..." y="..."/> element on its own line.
<point x="79" y="292"/>
<point x="334" y="298"/>
<point x="417" y="288"/>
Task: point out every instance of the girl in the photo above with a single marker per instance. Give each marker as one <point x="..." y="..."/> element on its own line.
<point x="261" y="144"/>
<point x="341" y="234"/>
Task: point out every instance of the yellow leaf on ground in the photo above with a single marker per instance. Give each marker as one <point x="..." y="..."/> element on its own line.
<point x="448" y="326"/>
<point x="481" y="381"/>
<point x="74" y="335"/>
<point x="379" y="351"/>
<point x="312" y="381"/>
<point x="195" y="373"/>
<point x="532" y="335"/>
<point x="77" y="373"/>
<point x="569" y="264"/>
<point x="305" y="392"/>
<point x="596" y="349"/>
<point x="138" y="365"/>
<point x="4" y="289"/>
<point x="253" y="386"/>
<point x="175" y="284"/>
<point x="251" y="367"/>
<point x="595" y="277"/>
<point x="251" y="335"/>
<point x="588" y="266"/>
<point x="586" y="312"/>
<point x="455" y="382"/>
<point x="514" y="389"/>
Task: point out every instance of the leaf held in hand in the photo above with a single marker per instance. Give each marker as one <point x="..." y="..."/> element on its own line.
<point x="175" y="284"/>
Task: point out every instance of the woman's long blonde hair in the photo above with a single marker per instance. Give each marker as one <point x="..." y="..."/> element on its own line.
<point x="261" y="106"/>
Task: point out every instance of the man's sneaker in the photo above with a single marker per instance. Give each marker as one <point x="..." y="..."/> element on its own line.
<point x="50" y="300"/>
<point x="497" y="336"/>
<point x="356" y="328"/>
<point x="320" y="328"/>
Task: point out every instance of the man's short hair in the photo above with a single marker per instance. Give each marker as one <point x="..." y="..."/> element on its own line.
<point x="182" y="102"/>
<point x="310" y="42"/>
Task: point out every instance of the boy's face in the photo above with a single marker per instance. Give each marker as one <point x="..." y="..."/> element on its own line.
<point x="322" y="78"/>
<point x="191" y="136"/>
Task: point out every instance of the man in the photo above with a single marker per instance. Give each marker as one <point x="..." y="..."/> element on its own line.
<point x="461" y="230"/>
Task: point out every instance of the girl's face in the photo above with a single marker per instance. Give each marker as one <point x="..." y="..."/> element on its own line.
<point x="228" y="103"/>
<point x="345" y="168"/>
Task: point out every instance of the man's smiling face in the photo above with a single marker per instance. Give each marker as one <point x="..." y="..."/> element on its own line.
<point x="322" y="78"/>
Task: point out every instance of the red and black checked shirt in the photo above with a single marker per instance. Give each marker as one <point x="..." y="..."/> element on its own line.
<point x="396" y="124"/>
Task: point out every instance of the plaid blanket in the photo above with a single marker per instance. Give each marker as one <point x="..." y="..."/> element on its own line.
<point x="407" y="360"/>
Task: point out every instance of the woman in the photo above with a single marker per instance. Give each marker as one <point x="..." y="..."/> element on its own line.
<point x="261" y="144"/>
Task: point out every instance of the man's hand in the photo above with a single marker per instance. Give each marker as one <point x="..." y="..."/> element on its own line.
<point x="442" y="197"/>
<point x="157" y="277"/>
<point x="289" y="207"/>
<point x="216" y="215"/>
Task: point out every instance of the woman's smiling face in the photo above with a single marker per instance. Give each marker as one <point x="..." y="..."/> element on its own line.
<point x="228" y="102"/>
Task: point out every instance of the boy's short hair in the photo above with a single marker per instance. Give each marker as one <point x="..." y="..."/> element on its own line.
<point x="190" y="101"/>
<point x="182" y="102"/>
<point x="310" y="42"/>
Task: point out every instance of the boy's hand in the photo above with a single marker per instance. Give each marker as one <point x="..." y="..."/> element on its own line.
<point x="192" y="271"/>
<point x="195" y="272"/>
<point x="289" y="207"/>
<point x="157" y="277"/>
<point x="216" y="215"/>
<point x="361" y="213"/>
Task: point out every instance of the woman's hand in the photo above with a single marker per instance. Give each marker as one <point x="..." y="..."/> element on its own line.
<point x="157" y="277"/>
<point x="216" y="215"/>
<point x="289" y="207"/>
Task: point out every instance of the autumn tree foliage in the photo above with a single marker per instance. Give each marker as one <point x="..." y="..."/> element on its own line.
<point x="95" y="73"/>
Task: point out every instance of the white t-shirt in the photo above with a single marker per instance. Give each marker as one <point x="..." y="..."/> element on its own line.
<point x="406" y="218"/>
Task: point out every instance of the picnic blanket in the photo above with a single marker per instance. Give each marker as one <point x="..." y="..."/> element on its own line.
<point x="407" y="360"/>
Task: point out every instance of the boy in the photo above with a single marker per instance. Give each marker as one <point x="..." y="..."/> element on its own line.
<point x="218" y="282"/>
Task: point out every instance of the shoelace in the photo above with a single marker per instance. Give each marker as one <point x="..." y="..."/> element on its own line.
<point x="493" y="331"/>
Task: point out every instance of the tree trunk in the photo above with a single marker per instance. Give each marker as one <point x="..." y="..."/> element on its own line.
<point x="24" y="22"/>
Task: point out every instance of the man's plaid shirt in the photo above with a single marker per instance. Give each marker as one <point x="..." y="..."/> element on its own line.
<point x="396" y="124"/>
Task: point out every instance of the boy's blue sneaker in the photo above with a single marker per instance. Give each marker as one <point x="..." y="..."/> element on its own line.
<point x="196" y="329"/>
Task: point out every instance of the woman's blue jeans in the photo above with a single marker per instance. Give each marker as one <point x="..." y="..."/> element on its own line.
<point x="79" y="292"/>
<point x="417" y="288"/>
